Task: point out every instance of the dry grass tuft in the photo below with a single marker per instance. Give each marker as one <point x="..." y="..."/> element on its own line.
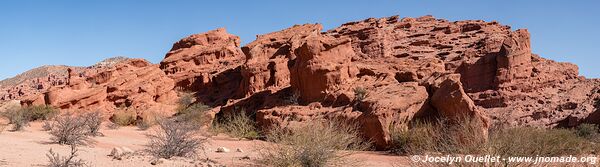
<point x="528" y="141"/>
<point x="237" y="124"/>
<point x="461" y="136"/>
<point x="195" y="114"/>
<point x="124" y="117"/>
<point x="312" y="144"/>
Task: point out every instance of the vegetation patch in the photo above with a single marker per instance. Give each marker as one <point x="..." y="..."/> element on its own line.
<point x="124" y="117"/>
<point x="237" y="124"/>
<point x="56" y="160"/>
<point x="312" y="144"/>
<point x="20" y="117"/>
<point x="174" y="138"/>
<point x="462" y="138"/>
<point x="195" y="113"/>
<point x="69" y="129"/>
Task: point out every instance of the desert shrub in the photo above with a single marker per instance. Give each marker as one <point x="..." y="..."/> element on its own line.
<point x="69" y="129"/>
<point x="186" y="100"/>
<point x="147" y="120"/>
<point x="588" y="131"/>
<point x="195" y="113"/>
<point x="92" y="122"/>
<point x="19" y="118"/>
<point x="421" y="138"/>
<point x="55" y="160"/>
<point x="174" y="139"/>
<point x="311" y="144"/>
<point x="47" y="126"/>
<point x="124" y="117"/>
<point x="528" y="141"/>
<point x="42" y="112"/>
<point x="237" y="124"/>
<point x="360" y="93"/>
<point x="462" y="135"/>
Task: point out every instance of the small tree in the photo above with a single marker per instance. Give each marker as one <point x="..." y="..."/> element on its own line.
<point x="92" y="122"/>
<point x="174" y="139"/>
<point x="69" y="129"/>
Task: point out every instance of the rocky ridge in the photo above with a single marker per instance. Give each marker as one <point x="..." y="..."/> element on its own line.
<point x="379" y="73"/>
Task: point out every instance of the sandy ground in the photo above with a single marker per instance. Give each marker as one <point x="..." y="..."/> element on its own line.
<point x="29" y="148"/>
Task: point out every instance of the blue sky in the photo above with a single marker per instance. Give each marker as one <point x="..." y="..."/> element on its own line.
<point x="35" y="33"/>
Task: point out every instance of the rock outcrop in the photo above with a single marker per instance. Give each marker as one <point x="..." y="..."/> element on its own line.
<point x="207" y="63"/>
<point x="381" y="74"/>
<point x="268" y="58"/>
<point x="134" y="83"/>
<point x="34" y="82"/>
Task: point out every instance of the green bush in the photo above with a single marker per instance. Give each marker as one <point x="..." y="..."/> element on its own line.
<point x="588" y="131"/>
<point x="20" y="117"/>
<point x="41" y="112"/>
<point x="195" y="113"/>
<point x="237" y="124"/>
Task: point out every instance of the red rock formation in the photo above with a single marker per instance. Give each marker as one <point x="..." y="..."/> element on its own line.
<point x="379" y="73"/>
<point x="207" y="63"/>
<point x="267" y="58"/>
<point x="134" y="83"/>
<point x="322" y="67"/>
<point x="406" y="67"/>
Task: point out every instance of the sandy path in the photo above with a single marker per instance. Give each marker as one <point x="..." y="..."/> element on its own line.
<point x="29" y="148"/>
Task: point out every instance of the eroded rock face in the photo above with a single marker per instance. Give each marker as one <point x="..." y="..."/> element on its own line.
<point x="268" y="58"/>
<point x="322" y="66"/>
<point x="497" y="69"/>
<point x="134" y="83"/>
<point x="390" y="107"/>
<point x="207" y="63"/>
